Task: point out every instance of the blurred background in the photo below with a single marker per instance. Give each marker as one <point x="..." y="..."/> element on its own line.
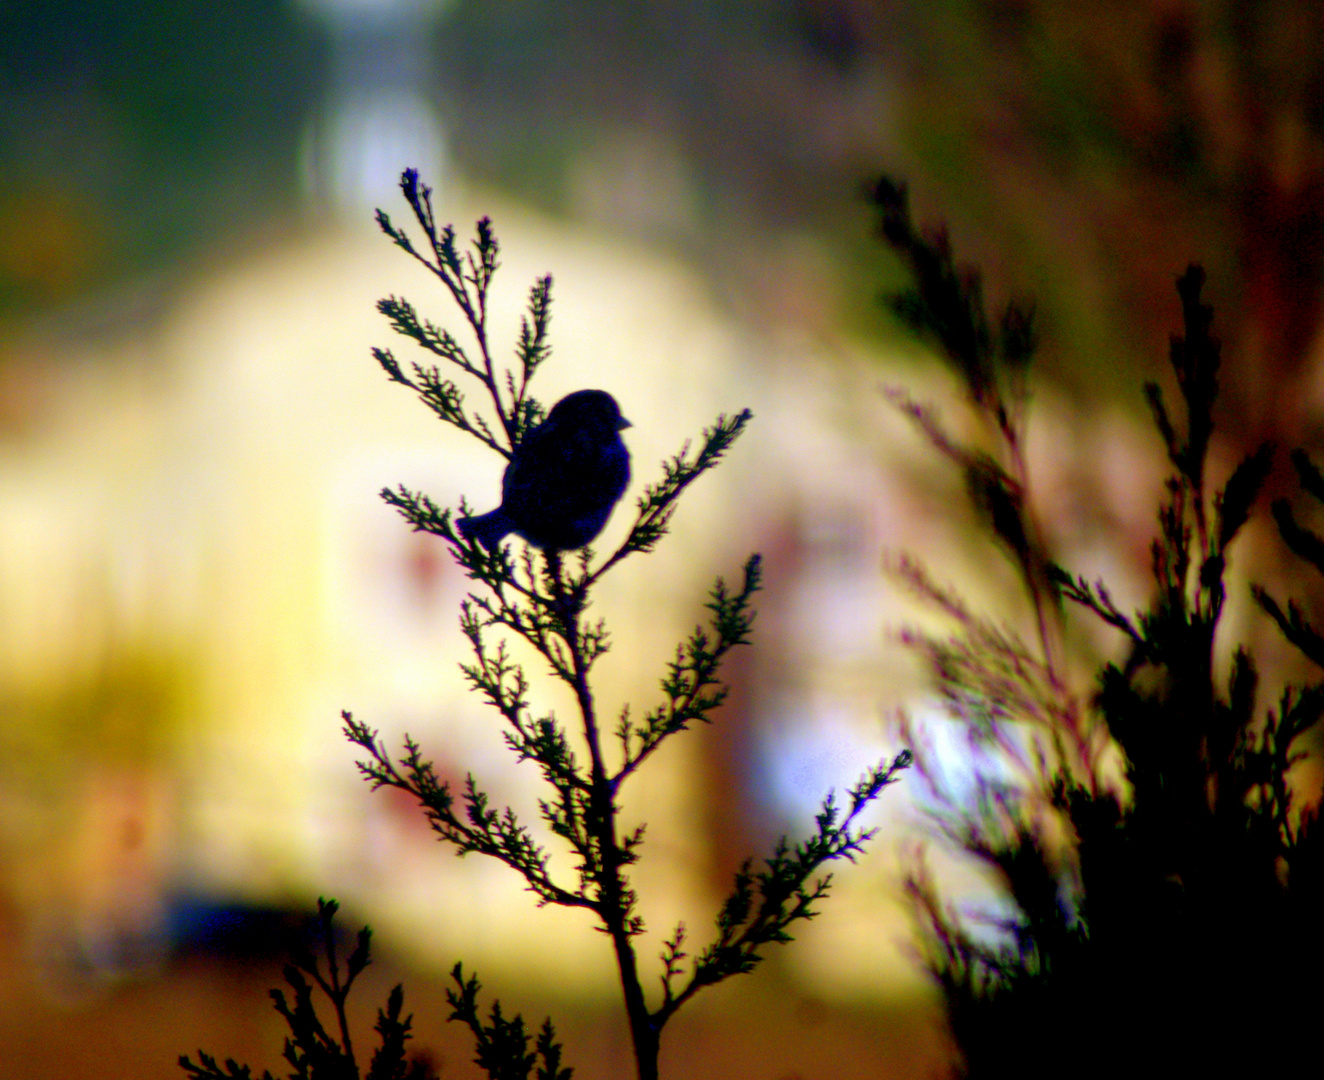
<point x="197" y="575"/>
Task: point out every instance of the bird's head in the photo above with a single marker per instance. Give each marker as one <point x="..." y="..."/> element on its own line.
<point x="588" y="407"/>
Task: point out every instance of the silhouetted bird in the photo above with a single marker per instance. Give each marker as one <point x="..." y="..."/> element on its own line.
<point x="563" y="479"/>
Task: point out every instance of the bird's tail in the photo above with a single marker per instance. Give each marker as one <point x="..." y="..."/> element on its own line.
<point x="488" y="529"/>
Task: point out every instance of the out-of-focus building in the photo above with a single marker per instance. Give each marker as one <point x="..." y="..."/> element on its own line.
<point x="194" y="533"/>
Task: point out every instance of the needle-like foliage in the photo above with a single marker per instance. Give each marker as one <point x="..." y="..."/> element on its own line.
<point x="313" y="1052"/>
<point x="541" y="597"/>
<point x="1169" y="924"/>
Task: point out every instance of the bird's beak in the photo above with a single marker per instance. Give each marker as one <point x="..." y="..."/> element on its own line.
<point x="622" y="424"/>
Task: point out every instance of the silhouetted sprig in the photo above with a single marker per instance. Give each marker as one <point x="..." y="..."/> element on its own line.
<point x="1141" y="918"/>
<point x="468" y="278"/>
<point x="692" y="688"/>
<point x="313" y="1052"/>
<point x="658" y="502"/>
<point x="502" y="1042"/>
<point x="763" y="904"/>
<point x="1306" y="544"/>
<point x="946" y="303"/>
<point x="1299" y="630"/>
<point x="479" y="828"/>
<point x="541" y="597"/>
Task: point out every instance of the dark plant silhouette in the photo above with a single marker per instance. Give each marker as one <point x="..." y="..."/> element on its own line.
<point x="541" y="594"/>
<point x="1164" y="922"/>
<point x="313" y="1052"/>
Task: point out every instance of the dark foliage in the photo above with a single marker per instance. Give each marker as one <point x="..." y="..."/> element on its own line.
<point x="502" y="1044"/>
<point x="1167" y="924"/>
<point x="313" y="1052"/>
<point x="541" y="596"/>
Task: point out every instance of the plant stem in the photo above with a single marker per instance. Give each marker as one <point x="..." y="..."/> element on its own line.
<point x="338" y="994"/>
<point x="614" y="901"/>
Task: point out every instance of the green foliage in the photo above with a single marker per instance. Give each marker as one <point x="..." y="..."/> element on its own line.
<point x="313" y="1052"/>
<point x="1169" y="922"/>
<point x="541" y="597"/>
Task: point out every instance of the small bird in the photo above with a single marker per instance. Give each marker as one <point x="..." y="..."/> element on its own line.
<point x="564" y="477"/>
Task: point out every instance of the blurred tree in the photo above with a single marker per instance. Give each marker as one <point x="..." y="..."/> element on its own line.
<point x="1164" y="919"/>
<point x="122" y="126"/>
<point x="1106" y="146"/>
